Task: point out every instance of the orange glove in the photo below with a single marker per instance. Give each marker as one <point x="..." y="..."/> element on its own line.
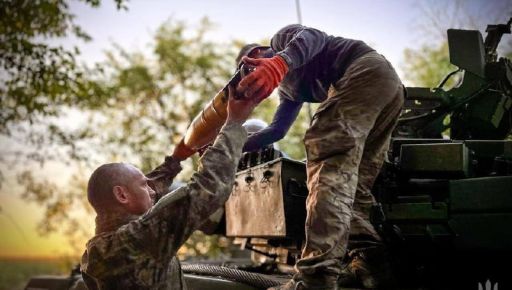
<point x="268" y="73"/>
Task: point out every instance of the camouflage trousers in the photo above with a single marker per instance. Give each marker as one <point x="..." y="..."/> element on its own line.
<point x="346" y="145"/>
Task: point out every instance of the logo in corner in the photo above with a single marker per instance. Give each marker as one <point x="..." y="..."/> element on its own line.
<point x="488" y="286"/>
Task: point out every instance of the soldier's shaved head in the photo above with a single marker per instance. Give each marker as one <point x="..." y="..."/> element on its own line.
<point x="103" y="179"/>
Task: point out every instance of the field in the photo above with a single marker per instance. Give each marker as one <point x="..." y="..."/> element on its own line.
<point x="15" y="272"/>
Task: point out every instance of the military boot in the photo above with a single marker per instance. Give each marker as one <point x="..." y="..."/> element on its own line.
<point x="319" y="282"/>
<point x="369" y="268"/>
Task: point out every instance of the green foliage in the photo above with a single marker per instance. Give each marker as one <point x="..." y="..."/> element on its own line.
<point x="154" y="98"/>
<point x="427" y="65"/>
<point x="200" y="246"/>
<point x="65" y="207"/>
<point x="38" y="76"/>
<point x="140" y="109"/>
<point x="508" y="52"/>
<point x="132" y="108"/>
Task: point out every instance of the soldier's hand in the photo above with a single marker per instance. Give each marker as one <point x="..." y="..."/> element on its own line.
<point x="239" y="109"/>
<point x="265" y="78"/>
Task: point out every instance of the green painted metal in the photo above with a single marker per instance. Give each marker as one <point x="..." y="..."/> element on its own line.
<point x="435" y="159"/>
<point x="483" y="232"/>
<point x="479" y="107"/>
<point x="415" y="212"/>
<point x="490" y="148"/>
<point x="485" y="194"/>
<point x="464" y="54"/>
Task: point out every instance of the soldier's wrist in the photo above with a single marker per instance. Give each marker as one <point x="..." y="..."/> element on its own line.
<point x="234" y="127"/>
<point x="233" y="122"/>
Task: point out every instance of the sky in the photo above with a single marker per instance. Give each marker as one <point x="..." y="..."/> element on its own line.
<point x="384" y="24"/>
<point x="388" y="26"/>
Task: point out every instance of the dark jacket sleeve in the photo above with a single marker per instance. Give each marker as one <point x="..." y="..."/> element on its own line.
<point x="172" y="220"/>
<point x="285" y="115"/>
<point x="298" y="44"/>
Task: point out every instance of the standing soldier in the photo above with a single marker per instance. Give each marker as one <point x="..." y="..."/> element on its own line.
<point x="361" y="98"/>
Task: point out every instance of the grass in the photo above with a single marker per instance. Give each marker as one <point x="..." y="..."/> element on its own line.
<point x="16" y="272"/>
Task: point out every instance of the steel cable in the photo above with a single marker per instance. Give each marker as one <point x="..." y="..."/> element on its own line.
<point x="253" y="279"/>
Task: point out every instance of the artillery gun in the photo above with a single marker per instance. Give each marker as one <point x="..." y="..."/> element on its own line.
<point x="444" y="197"/>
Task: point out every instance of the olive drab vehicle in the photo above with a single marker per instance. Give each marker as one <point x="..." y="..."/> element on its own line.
<point x="444" y="203"/>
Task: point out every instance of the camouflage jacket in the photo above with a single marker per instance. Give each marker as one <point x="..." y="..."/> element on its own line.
<point x="140" y="252"/>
